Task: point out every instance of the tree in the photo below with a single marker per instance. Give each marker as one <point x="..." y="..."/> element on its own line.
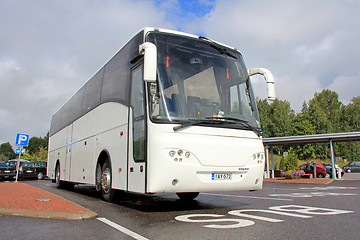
<point x="289" y="161"/>
<point x="303" y="127"/>
<point x="350" y="122"/>
<point x="276" y="118"/>
<point x="324" y="112"/>
<point x="36" y="142"/>
<point x="6" y="151"/>
<point x="40" y="155"/>
<point x="350" y="116"/>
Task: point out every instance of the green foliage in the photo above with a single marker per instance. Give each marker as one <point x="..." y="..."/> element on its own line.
<point x="36" y="151"/>
<point x="276" y="118"/>
<point x="3" y="158"/>
<point x="289" y="161"/>
<point x="7" y="152"/>
<point x="40" y="155"/>
<point x="324" y="113"/>
<point x="36" y="142"/>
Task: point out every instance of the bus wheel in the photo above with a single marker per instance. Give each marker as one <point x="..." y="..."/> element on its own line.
<point x="58" y="183"/>
<point x="107" y="193"/>
<point x="187" y="196"/>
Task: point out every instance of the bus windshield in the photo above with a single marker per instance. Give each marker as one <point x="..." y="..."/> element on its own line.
<point x="203" y="82"/>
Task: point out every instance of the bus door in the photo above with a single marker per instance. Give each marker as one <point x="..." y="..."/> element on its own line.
<point x="137" y="133"/>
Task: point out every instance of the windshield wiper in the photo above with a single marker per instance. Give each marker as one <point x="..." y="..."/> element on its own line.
<point x="236" y="120"/>
<point x="194" y="122"/>
<point x="217" y="120"/>
<point x="218" y="47"/>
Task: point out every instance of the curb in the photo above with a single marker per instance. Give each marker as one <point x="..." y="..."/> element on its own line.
<point x="48" y="215"/>
<point x="21" y="199"/>
<point x="300" y="181"/>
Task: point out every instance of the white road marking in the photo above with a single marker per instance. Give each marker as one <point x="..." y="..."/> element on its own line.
<point x="122" y="229"/>
<point x="238" y="222"/>
<point x="266" y="198"/>
<point x="311" y="194"/>
<point x="286" y="210"/>
<point x="328" y="188"/>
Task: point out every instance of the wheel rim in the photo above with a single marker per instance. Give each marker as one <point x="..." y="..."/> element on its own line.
<point x="40" y="175"/>
<point x="106" y="180"/>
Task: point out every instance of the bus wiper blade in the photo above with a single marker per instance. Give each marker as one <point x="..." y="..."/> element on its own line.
<point x="218" y="47"/>
<point x="236" y="120"/>
<point x="194" y="122"/>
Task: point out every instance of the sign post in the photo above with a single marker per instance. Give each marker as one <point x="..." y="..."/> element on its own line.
<point x="22" y="140"/>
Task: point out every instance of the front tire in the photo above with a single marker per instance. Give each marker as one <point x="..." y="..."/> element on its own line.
<point x="107" y="193"/>
<point x="187" y="196"/>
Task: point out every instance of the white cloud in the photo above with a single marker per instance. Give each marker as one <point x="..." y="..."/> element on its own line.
<point x="347" y="86"/>
<point x="308" y="45"/>
<point x="49" y="49"/>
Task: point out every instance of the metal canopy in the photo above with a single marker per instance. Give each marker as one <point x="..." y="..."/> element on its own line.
<point x="306" y="139"/>
<point x="317" y="138"/>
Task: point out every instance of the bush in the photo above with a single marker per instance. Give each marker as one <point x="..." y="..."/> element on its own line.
<point x="293" y="174"/>
<point x="289" y="161"/>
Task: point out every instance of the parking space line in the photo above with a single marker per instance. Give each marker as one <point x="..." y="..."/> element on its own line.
<point x="266" y="198"/>
<point x="122" y="229"/>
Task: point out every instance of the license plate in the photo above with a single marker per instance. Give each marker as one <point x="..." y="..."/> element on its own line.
<point x="221" y="176"/>
<point x="29" y="171"/>
<point x="7" y="171"/>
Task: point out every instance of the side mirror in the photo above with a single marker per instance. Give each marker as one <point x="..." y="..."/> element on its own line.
<point x="269" y="78"/>
<point x="150" y="61"/>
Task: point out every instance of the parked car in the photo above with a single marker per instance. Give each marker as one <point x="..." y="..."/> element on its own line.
<point x="12" y="163"/>
<point x="308" y="168"/>
<point x="28" y="169"/>
<point x="40" y="169"/>
<point x="352" y="167"/>
<point x="329" y="170"/>
<point x="6" y="172"/>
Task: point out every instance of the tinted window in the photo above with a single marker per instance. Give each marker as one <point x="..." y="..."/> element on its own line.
<point x="65" y="114"/>
<point x="92" y="92"/>
<point x="117" y="73"/>
<point x="3" y="165"/>
<point x="115" y="84"/>
<point x="76" y="104"/>
<point x="110" y="83"/>
<point x="55" y="123"/>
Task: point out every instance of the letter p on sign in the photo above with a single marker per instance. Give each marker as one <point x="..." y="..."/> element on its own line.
<point x="22" y="139"/>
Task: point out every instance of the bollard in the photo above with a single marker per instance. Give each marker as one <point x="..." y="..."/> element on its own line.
<point x="339" y="173"/>
<point x="315" y="169"/>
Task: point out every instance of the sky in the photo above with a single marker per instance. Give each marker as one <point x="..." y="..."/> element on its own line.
<point x="50" y="48"/>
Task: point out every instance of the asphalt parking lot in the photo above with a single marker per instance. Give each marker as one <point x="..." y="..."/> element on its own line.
<point x="279" y="210"/>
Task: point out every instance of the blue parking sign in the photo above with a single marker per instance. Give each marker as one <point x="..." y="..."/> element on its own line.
<point x="22" y="139"/>
<point x="20" y="150"/>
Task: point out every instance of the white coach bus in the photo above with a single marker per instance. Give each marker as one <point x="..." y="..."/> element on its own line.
<point x="170" y="112"/>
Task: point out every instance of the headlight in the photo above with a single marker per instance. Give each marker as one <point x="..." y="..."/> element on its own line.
<point x="172" y="153"/>
<point x="180" y="152"/>
<point x="259" y="157"/>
